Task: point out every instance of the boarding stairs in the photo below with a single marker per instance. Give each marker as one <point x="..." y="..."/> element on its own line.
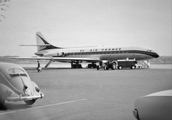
<point x="143" y="64"/>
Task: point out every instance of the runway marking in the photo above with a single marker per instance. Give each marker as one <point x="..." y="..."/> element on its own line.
<point x="67" y="102"/>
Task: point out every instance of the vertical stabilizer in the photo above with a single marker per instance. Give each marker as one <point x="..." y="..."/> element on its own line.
<point x="42" y="44"/>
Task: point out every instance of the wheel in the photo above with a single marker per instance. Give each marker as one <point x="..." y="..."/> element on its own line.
<point x="104" y="67"/>
<point x="107" y="68"/>
<point x="94" y="65"/>
<point x="120" y="67"/>
<point x="30" y="102"/>
<point x="98" y="67"/>
<point x="113" y="66"/>
<point x="74" y="66"/>
<point x="78" y="66"/>
<point x="2" y="104"/>
<point x="89" y="65"/>
<point x="133" y="67"/>
<point x="2" y="101"/>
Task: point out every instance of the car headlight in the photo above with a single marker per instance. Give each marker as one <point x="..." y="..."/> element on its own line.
<point x="27" y="92"/>
<point x="37" y="89"/>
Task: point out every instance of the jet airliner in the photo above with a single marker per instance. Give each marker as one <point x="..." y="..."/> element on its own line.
<point x="93" y="55"/>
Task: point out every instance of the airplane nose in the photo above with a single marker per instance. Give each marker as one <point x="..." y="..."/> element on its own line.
<point x="152" y="54"/>
<point x="155" y="55"/>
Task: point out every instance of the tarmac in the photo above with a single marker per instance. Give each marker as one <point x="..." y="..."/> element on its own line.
<point x="88" y="94"/>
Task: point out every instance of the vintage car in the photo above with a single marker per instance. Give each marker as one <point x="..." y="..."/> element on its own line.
<point x="155" y="106"/>
<point x="16" y="85"/>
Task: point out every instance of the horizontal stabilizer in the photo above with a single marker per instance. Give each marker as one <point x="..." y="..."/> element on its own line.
<point x="37" y="45"/>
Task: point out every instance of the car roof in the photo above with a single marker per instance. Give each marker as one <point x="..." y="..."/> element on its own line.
<point x="4" y="66"/>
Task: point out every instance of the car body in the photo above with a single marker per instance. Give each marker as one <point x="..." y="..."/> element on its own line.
<point x="155" y="106"/>
<point x="16" y="85"/>
<point x="126" y="64"/>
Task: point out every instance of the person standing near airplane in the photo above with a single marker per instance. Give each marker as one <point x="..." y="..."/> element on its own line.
<point x="39" y="67"/>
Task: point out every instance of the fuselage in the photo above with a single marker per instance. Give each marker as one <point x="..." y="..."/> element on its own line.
<point x="103" y="53"/>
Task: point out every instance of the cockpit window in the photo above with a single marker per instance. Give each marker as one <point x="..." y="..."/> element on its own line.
<point x="150" y="50"/>
<point x="16" y="72"/>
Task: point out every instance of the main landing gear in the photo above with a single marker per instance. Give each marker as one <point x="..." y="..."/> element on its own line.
<point x="76" y="64"/>
<point x="107" y="65"/>
<point x="93" y="65"/>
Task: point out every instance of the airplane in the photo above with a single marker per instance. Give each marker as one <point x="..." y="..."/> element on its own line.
<point x="107" y="57"/>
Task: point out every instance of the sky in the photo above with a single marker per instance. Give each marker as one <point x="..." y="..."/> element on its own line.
<point x="70" y="23"/>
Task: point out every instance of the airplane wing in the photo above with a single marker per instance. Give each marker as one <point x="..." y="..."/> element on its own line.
<point x="70" y="59"/>
<point x="60" y="59"/>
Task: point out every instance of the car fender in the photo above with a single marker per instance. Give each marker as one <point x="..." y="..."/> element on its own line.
<point x="36" y="88"/>
<point x="5" y="92"/>
<point x="34" y="84"/>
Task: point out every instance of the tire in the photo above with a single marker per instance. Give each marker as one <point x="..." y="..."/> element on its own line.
<point x="30" y="102"/>
<point x="2" y="104"/>
<point x="2" y="101"/>
<point x="98" y="67"/>
<point x="89" y="65"/>
<point x="105" y="67"/>
<point x="133" y="67"/>
<point x="80" y="66"/>
<point x="94" y="66"/>
<point x="119" y="67"/>
<point x="74" y="66"/>
<point x="113" y="66"/>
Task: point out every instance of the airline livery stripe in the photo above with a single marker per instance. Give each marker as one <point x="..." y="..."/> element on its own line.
<point x="113" y="52"/>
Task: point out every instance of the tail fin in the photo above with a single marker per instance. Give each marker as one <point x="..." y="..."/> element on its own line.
<point x="42" y="44"/>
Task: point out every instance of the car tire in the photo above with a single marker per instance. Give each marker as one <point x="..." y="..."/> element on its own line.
<point x="2" y="104"/>
<point x="2" y="101"/>
<point x="98" y="67"/>
<point x="120" y="67"/>
<point x="30" y="102"/>
<point x="113" y="66"/>
<point x="133" y="67"/>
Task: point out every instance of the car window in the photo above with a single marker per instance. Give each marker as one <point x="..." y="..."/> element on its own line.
<point x="16" y="72"/>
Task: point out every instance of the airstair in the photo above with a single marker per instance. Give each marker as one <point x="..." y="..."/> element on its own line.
<point x="143" y="64"/>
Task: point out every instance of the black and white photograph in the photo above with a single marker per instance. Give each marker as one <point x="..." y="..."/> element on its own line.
<point x="85" y="60"/>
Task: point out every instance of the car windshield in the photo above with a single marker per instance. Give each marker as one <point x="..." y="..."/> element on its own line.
<point x="16" y="71"/>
